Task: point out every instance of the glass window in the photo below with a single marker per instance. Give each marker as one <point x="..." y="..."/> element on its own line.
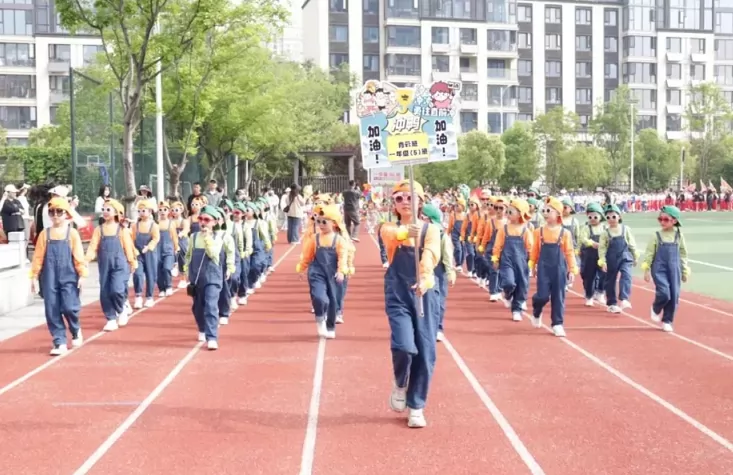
<point x="469" y="92"/>
<point x="610" y="71"/>
<point x="18" y="86"/>
<point x="674" y="122"/>
<point x="645" y="98"/>
<point x="497" y="40"/>
<point x="674" y="71"/>
<point x="90" y="53"/>
<point x="469" y="121"/>
<point x="335" y="60"/>
<point x="553" y="69"/>
<point x="646" y="122"/>
<point x="724" y="49"/>
<point x="697" y="72"/>
<point x="553" y="95"/>
<point x="524" y="67"/>
<point x="674" y="97"/>
<point x="496" y="68"/>
<point x="724" y="22"/>
<point x="370" y="6"/>
<point x="610" y="17"/>
<point x="524" y="95"/>
<point x="553" y="15"/>
<point x="524" y="13"/>
<point x="610" y="44"/>
<point x="609" y="95"/>
<point x="59" y="52"/>
<point x="403" y="64"/>
<point x="12" y="117"/>
<point x="583" y="43"/>
<point x="469" y="36"/>
<point x="640" y="18"/>
<point x="524" y="40"/>
<point x="583" y="69"/>
<point x="441" y="35"/>
<point x="338" y="6"/>
<point x="59" y="84"/>
<point x="338" y="34"/>
<point x="371" y="63"/>
<point x="467" y="65"/>
<point x="583" y="16"/>
<point x="22" y="54"/>
<point x="402" y="9"/>
<point x="583" y="121"/>
<point x="524" y="117"/>
<point x="553" y="41"/>
<point x="16" y="22"/>
<point x="441" y="64"/>
<point x="371" y="34"/>
<point x="640" y="73"/>
<point x="645" y="46"/>
<point x="724" y="75"/>
<point x="405" y="36"/>
<point x="674" y="45"/>
<point x="697" y="46"/>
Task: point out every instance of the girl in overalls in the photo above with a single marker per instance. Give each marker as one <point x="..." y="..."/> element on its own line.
<point x="412" y="335"/>
<point x="244" y="233"/>
<point x="553" y="260"/>
<point x="228" y="267"/>
<point x="325" y="258"/>
<point x="617" y="251"/>
<point x="486" y="212"/>
<point x="467" y="231"/>
<point x="510" y="257"/>
<point x="665" y="263"/>
<point x="260" y="245"/>
<point x="167" y="249"/>
<point x="146" y="235"/>
<point x="114" y="249"/>
<point x="536" y="220"/>
<point x="571" y="225"/>
<point x="590" y="272"/>
<point x="344" y="286"/>
<point x="445" y="273"/>
<point x="271" y="226"/>
<point x="487" y="245"/>
<point x="206" y="275"/>
<point x="455" y="224"/>
<point x="59" y="261"/>
<point x="197" y="204"/>
<point x="183" y="229"/>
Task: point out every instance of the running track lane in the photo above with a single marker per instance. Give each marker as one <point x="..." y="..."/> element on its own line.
<point x="241" y="409"/>
<point x="357" y="432"/>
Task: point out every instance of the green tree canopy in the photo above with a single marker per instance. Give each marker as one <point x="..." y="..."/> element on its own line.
<point x="522" y="163"/>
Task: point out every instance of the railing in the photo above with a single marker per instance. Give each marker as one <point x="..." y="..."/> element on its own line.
<point x="14" y="280"/>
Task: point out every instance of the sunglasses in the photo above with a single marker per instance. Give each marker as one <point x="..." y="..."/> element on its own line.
<point x="177" y="210"/>
<point x="204" y="220"/>
<point x="108" y="210"/>
<point x="237" y="213"/>
<point x="401" y="198"/>
<point x="56" y="212"/>
<point x="322" y="222"/>
<point x="612" y="216"/>
<point x="664" y="219"/>
<point x="594" y="216"/>
<point x="163" y="210"/>
<point x="499" y="207"/>
<point x="143" y="210"/>
<point x="547" y="210"/>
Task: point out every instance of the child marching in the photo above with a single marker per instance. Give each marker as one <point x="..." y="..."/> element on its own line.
<point x="167" y="250"/>
<point x="145" y="235"/>
<point x="445" y="272"/>
<point x="617" y="253"/>
<point x="590" y="236"/>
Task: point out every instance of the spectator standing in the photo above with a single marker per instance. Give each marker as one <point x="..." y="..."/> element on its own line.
<point x="352" y="198"/>
<point x="196" y="193"/>
<point x="213" y="194"/>
<point x="294" y="204"/>
<point x="12" y="211"/>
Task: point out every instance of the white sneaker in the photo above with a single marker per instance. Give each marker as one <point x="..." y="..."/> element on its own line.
<point x="123" y="318"/>
<point x="250" y="291"/>
<point x="128" y="308"/>
<point x="385" y="265"/>
<point x="625" y="304"/>
<point x="589" y="302"/>
<point x="416" y="419"/>
<point x="524" y="305"/>
<point x="270" y="270"/>
<point x="516" y="316"/>
<point x="398" y="399"/>
<point x="656" y="317"/>
<point x="321" y="328"/>
<point x="149" y="303"/>
<point x="330" y="334"/>
<point x="339" y="319"/>
<point x="494" y="297"/>
<point x="258" y="285"/>
<point x="507" y="302"/>
<point x="182" y="284"/>
<point x="138" y="303"/>
<point x="111" y="326"/>
<point x="440" y="336"/>
<point x="614" y="309"/>
<point x="559" y="331"/>
<point x="600" y="298"/>
<point x="59" y="350"/>
<point x="667" y="327"/>
<point x="212" y="345"/>
<point x="169" y="292"/>
<point x="223" y="320"/>
<point x="78" y="341"/>
<point x="537" y="322"/>
<point x="242" y="301"/>
<point x="234" y="303"/>
<point x="202" y="336"/>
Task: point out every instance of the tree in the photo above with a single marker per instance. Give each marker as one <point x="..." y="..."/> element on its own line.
<point x="656" y="161"/>
<point x="708" y="116"/>
<point x="522" y="158"/>
<point x="136" y="54"/>
<point x="481" y="158"/>
<point x="611" y="129"/>
<point x="555" y="132"/>
<point x="582" y="166"/>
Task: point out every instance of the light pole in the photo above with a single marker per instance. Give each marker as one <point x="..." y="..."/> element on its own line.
<point x="633" y="139"/>
<point x="159" y="167"/>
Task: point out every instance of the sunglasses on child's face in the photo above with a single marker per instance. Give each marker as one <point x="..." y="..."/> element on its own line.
<point x="401" y="198"/>
<point x="499" y="208"/>
<point x="163" y="210"/>
<point x="203" y="220"/>
<point x="546" y="210"/>
<point x="510" y="212"/>
<point x="664" y="219"/>
<point x="612" y="217"/>
<point x="593" y="216"/>
<point x="177" y="210"/>
<point x="322" y="222"/>
<point x="108" y="210"/>
<point x="56" y="212"/>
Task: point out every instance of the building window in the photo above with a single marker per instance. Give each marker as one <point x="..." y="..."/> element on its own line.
<point x="610" y="71"/>
<point x="59" y="84"/>
<point x="645" y="46"/>
<point x="640" y="73"/>
<point x="441" y="64"/>
<point x="553" y="41"/>
<point x="16" y="22"/>
<point x="469" y="36"/>
<point x="674" y="97"/>
<point x="338" y="6"/>
<point x="404" y="64"/>
<point x="12" y="54"/>
<point x="404" y="36"/>
<point x="469" y="92"/>
<point x="697" y="72"/>
<point x="525" y="95"/>
<point x="524" y="13"/>
<point x="553" y="69"/>
<point x="524" y="117"/>
<point x="12" y="117"/>
<point x="60" y="53"/>
<point x="645" y="98"/>
<point x="496" y="68"/>
<point x="583" y="16"/>
<point x="583" y="69"/>
<point x="371" y="63"/>
<point x="18" y="86"/>
<point x="583" y="97"/>
<point x="524" y="40"/>
<point x="640" y="18"/>
<point x="371" y="34"/>
<point x="674" y="122"/>
<point x="467" y="65"/>
<point x="553" y="95"/>
<point x="469" y="121"/>
<point x="370" y="7"/>
<point x="646" y="122"/>
<point x="335" y="60"/>
<point x="724" y="75"/>
<point x="674" y="45"/>
<point x="553" y="15"/>
<point x="498" y="123"/>
<point x="338" y="34"/>
<point x="610" y="17"/>
<point x="724" y="49"/>
<point x="497" y="40"/>
<point x="583" y="121"/>
<point x="609" y="95"/>
<point x="524" y="67"/>
<point x="583" y="43"/>
<point x="697" y="46"/>
<point x="402" y="9"/>
<point x="441" y="35"/>
<point x="674" y="71"/>
<point x="90" y="53"/>
<point x="610" y="44"/>
<point x="724" y="22"/>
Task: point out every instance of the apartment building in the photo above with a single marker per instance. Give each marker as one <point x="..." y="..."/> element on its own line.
<point x="36" y="53"/>
<point x="518" y="58"/>
<point x="288" y="43"/>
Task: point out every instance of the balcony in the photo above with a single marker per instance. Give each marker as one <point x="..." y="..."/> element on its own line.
<point x="405" y="10"/>
<point x="495" y="103"/>
<point x="57" y="97"/>
<point x="469" y="49"/>
<point x="674" y="83"/>
<point x="56" y="65"/>
<point x="441" y="48"/>
<point x="403" y="74"/>
<point x="501" y="49"/>
<point x="468" y="75"/>
<point x="501" y="76"/>
<point x="698" y="58"/>
<point x="674" y="57"/>
<point x="442" y="76"/>
<point x="676" y="135"/>
<point x="675" y="109"/>
<point x="470" y="102"/>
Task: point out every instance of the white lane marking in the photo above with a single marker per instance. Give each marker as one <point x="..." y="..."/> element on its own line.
<point x="96" y="404"/>
<point x="132" y="418"/>
<point x="706" y="307"/>
<point x="708" y="264"/>
<point x="500" y="419"/>
<point x="309" y="443"/>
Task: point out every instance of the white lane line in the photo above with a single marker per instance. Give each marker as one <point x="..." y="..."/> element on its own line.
<point x="500" y="419"/>
<point x="708" y="264"/>
<point x="55" y="359"/>
<point x="132" y="418"/>
<point x="309" y="443"/>
<point x="96" y="404"/>
<point x="647" y="323"/>
<point x="689" y="302"/>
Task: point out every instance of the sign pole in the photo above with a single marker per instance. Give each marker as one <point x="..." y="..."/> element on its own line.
<point x="416" y="219"/>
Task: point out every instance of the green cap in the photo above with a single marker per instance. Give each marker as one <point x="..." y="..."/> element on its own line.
<point x="673" y="212"/>
<point x="226" y="202"/>
<point x="613" y="209"/>
<point x="432" y="213"/>
<point x="239" y="206"/>
<point x="595" y="208"/>
<point x="534" y="202"/>
<point x="211" y="211"/>
<point x="569" y="204"/>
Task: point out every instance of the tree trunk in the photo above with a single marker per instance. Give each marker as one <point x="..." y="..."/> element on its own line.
<point x="174" y="181"/>
<point x="128" y="157"/>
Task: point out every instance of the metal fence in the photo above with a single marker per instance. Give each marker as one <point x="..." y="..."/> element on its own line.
<point x="323" y="184"/>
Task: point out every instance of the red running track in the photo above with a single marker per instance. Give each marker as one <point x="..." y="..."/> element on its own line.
<point x="615" y="397"/>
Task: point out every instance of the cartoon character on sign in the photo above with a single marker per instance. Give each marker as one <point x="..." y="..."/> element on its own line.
<point x="442" y="95"/>
<point x="374" y="98"/>
<point x="404" y="98"/>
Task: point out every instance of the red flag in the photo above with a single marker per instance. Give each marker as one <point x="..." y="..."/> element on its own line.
<point x="702" y="186"/>
<point x="724" y="186"/>
<point x="711" y="187"/>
